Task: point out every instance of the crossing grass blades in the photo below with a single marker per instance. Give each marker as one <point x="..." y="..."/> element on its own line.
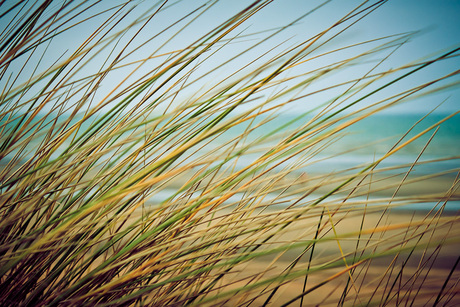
<point x="142" y="165"/>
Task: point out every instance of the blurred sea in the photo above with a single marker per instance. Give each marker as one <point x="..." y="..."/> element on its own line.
<point x="374" y="136"/>
<point x="371" y="137"/>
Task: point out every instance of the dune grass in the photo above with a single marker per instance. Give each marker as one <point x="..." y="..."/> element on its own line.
<point x="135" y="172"/>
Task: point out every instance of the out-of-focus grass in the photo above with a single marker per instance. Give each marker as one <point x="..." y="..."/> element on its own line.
<point x="175" y="185"/>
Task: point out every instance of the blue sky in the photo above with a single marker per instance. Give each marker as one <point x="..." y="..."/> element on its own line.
<point x="437" y="21"/>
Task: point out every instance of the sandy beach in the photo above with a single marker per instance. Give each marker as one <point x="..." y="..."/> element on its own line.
<point x="404" y="255"/>
<point x="415" y="275"/>
<point x="369" y="237"/>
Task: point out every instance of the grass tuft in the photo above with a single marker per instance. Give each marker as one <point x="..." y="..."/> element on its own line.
<point x="151" y="156"/>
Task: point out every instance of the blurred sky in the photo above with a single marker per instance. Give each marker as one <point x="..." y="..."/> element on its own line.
<point x="437" y="20"/>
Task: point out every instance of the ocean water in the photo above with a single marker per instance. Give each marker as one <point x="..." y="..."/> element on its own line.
<point x="374" y="135"/>
<point x="371" y="138"/>
<point x="378" y="134"/>
<point x="363" y="143"/>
